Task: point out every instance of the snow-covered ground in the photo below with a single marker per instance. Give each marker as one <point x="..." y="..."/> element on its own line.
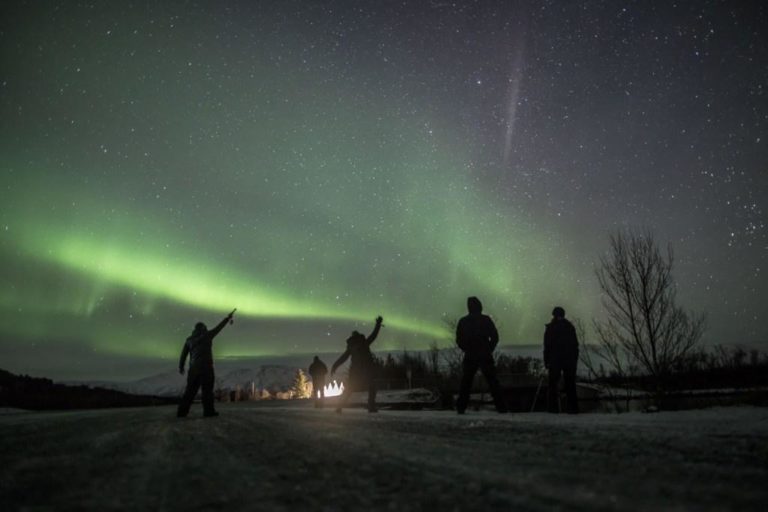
<point x="256" y="457"/>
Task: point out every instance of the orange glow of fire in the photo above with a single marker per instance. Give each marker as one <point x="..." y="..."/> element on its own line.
<point x="333" y="389"/>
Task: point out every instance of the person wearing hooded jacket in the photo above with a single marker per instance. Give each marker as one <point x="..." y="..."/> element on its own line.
<point x="477" y="337"/>
<point x="318" y="371"/>
<point x="199" y="347"/>
<point x="361" y="369"/>
<point x="561" y="354"/>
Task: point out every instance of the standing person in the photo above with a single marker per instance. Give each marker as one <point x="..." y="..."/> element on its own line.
<point x="199" y="347"/>
<point x="561" y="353"/>
<point x="318" y="370"/>
<point x="361" y="370"/>
<point x="477" y="336"/>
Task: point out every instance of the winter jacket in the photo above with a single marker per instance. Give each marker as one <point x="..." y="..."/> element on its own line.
<point x="476" y="335"/>
<point x="200" y="348"/>
<point x="561" y="347"/>
<point x="318" y="370"/>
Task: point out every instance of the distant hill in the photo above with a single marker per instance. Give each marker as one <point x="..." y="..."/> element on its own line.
<point x="25" y="392"/>
<point x="270" y="378"/>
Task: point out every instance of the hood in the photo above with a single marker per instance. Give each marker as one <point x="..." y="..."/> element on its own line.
<point x="474" y="305"/>
<point x="199" y="330"/>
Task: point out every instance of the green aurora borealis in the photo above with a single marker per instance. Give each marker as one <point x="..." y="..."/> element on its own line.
<point x="315" y="168"/>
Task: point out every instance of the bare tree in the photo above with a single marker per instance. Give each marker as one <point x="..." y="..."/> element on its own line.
<point x="433" y="357"/>
<point x="594" y="357"/>
<point x="644" y="325"/>
<point x="453" y="355"/>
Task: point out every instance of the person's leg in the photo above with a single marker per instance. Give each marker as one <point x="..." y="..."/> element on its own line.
<point x="352" y="384"/>
<point x="344" y="398"/>
<point x="489" y="372"/>
<point x="371" y="393"/>
<point x="553" y="393"/>
<point x="207" y="381"/>
<point x="469" y="368"/>
<point x="193" y="384"/>
<point x="569" y="380"/>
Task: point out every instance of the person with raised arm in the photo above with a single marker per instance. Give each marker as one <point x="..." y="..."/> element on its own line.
<point x="362" y="367"/>
<point x="199" y="348"/>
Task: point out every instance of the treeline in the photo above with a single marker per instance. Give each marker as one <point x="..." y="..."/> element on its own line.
<point x="715" y="368"/>
<point x="721" y="367"/>
<point x="442" y="367"/>
<point x="25" y="392"/>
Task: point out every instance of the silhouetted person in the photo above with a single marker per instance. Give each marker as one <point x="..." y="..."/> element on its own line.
<point x="361" y="369"/>
<point x="199" y="346"/>
<point x="561" y="353"/>
<point x="476" y="335"/>
<point x="318" y="371"/>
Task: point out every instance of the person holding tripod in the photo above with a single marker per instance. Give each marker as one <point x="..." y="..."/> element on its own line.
<point x="477" y="337"/>
<point x="561" y="354"/>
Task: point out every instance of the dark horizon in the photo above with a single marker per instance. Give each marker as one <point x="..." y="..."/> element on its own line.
<point x="128" y="370"/>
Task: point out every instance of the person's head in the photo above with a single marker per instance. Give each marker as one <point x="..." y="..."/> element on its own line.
<point x="199" y="329"/>
<point x="474" y="305"/>
<point x="558" y="312"/>
<point x="355" y="335"/>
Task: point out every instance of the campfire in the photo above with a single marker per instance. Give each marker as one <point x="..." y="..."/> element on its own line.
<point x="333" y="389"/>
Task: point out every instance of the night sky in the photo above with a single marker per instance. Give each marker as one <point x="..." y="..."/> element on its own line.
<point x="315" y="164"/>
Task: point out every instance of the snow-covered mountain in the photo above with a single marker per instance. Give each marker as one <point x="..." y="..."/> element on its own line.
<point x="272" y="378"/>
<point x="269" y="377"/>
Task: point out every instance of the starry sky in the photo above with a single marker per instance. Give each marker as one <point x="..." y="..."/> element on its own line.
<point x="315" y="164"/>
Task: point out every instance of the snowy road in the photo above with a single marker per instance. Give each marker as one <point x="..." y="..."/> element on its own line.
<point x="297" y="458"/>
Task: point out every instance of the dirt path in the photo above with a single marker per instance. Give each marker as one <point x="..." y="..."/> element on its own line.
<point x="293" y="458"/>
